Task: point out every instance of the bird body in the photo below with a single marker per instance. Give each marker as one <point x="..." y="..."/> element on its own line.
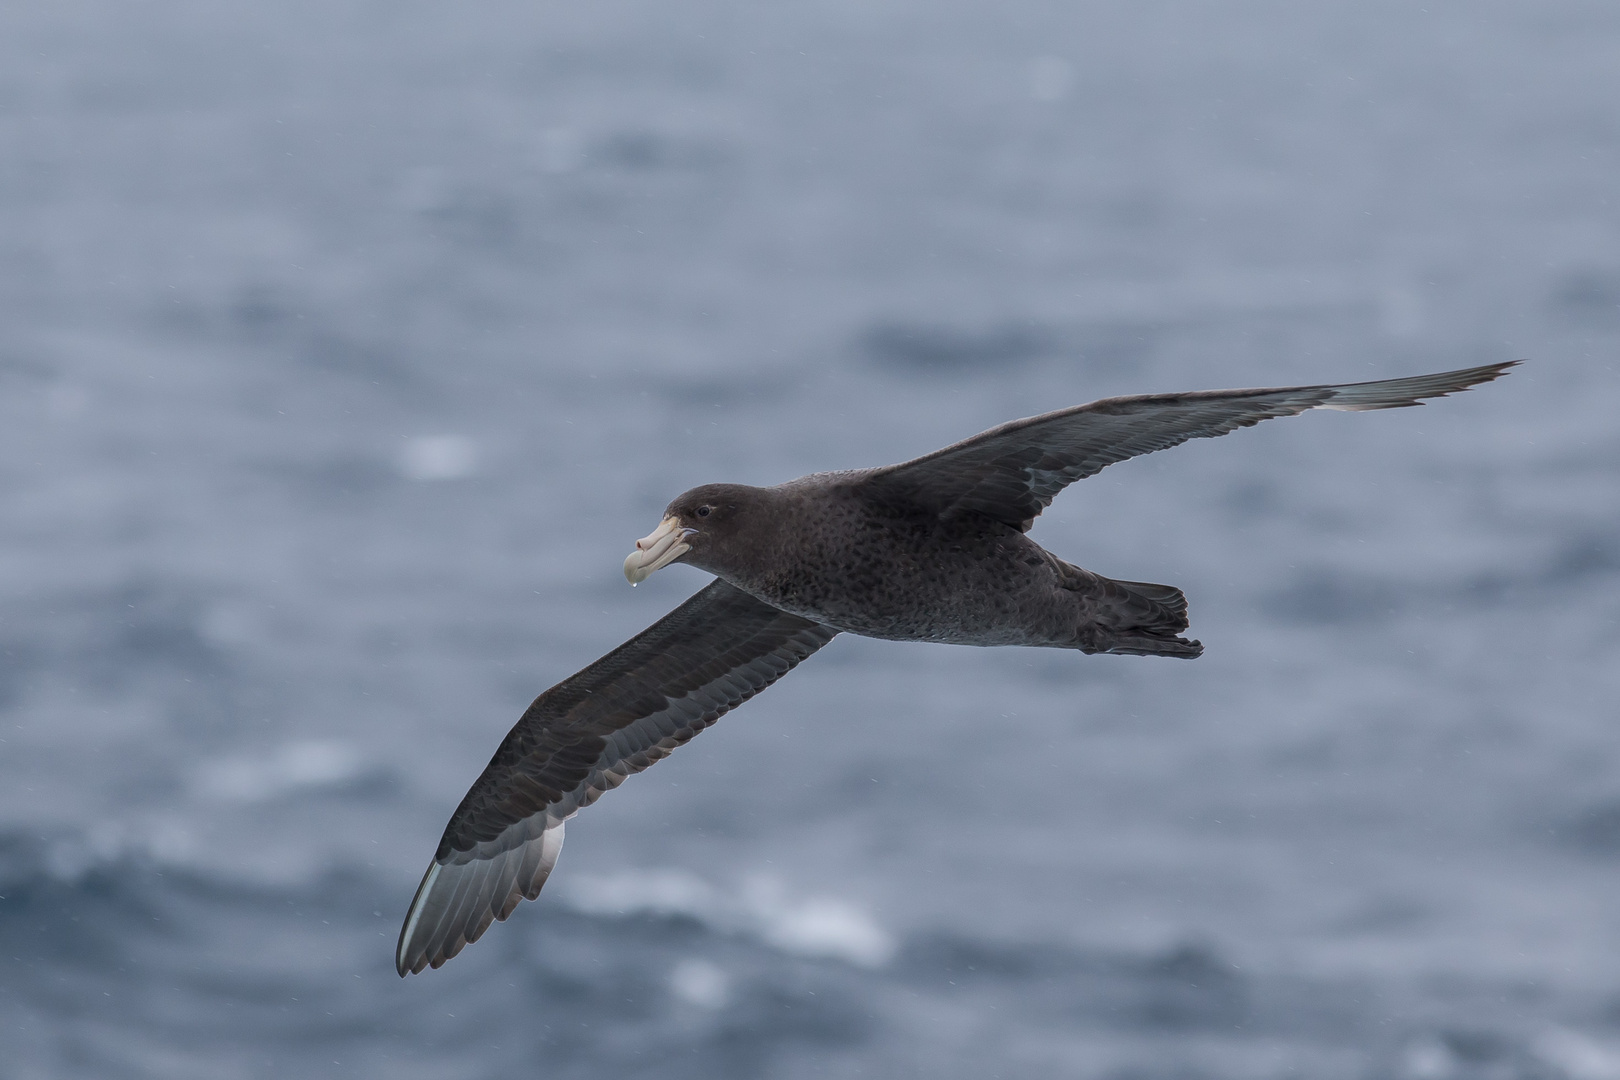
<point x="932" y="549"/>
<point x="840" y="550"/>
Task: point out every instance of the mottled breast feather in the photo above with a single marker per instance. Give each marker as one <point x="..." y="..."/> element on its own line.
<point x="583" y="737"/>
<point x="1014" y="471"/>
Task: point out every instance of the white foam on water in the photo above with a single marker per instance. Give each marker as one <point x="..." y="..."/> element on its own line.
<point x="438" y="457"/>
<point x="700" y="983"/>
<point x="162" y="837"/>
<point x="1578" y="1056"/>
<point x="1428" y="1058"/>
<point x="819" y="927"/>
<point x="294" y="766"/>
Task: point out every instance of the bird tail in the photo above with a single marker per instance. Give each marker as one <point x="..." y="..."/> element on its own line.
<point x="1138" y="643"/>
<point x="1158" y="607"/>
<point x="1143" y="619"/>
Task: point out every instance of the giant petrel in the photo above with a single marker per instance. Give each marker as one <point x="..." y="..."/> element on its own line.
<point x="932" y="549"/>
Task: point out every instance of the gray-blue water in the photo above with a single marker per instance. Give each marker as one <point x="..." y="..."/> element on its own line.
<point x="345" y="348"/>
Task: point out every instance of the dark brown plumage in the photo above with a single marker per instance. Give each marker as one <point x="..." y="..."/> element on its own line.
<point x="932" y="549"/>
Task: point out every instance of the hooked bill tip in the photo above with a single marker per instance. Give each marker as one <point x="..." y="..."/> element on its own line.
<point x="666" y="544"/>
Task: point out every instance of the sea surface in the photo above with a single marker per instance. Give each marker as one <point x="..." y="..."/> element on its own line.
<point x="347" y="346"/>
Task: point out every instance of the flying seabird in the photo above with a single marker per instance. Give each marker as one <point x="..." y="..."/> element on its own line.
<point x="932" y="549"/>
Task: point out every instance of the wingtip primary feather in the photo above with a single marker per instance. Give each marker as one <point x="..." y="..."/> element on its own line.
<point x="457" y="902"/>
<point x="1402" y="393"/>
<point x="403" y="962"/>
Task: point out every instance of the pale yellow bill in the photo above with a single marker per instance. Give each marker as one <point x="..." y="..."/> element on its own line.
<point x="666" y="544"/>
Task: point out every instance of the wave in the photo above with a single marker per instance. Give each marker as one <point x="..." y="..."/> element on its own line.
<point x="809" y="926"/>
<point x="138" y="968"/>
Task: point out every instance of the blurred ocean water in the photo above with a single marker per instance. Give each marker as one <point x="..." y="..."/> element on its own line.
<point x="345" y="348"/>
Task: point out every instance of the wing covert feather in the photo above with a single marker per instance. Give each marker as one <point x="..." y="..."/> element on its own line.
<point x="584" y="736"/>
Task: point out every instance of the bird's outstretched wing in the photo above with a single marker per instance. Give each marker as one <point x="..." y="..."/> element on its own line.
<point x="583" y="737"/>
<point x="1014" y="471"/>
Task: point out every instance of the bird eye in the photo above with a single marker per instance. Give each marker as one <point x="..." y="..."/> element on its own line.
<point x="703" y="511"/>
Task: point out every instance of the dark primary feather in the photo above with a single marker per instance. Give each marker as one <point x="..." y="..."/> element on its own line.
<point x="1014" y="471"/>
<point x="583" y="737"/>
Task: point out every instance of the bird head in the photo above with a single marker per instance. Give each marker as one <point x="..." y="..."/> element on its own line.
<point x="702" y="527"/>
